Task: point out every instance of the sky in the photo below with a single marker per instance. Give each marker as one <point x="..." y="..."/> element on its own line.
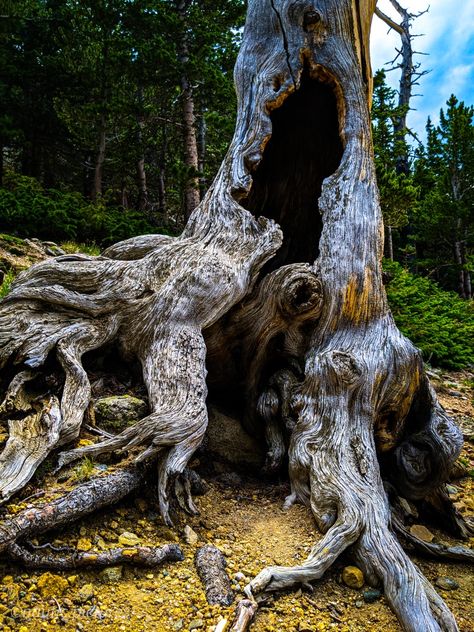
<point x="448" y="38"/>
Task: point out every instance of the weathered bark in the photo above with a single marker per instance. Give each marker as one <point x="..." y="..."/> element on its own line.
<point x="211" y="568"/>
<point x="295" y="322"/>
<point x="141" y="173"/>
<point x="389" y="243"/>
<point x="147" y="556"/>
<point x="244" y="615"/>
<point x="82" y="500"/>
<point x="100" y="159"/>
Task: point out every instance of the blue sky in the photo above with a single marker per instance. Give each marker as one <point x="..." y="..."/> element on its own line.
<point x="448" y="30"/>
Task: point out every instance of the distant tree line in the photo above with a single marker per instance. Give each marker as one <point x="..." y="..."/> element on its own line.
<point x="115" y="115"/>
<point x="428" y="206"/>
<point x="131" y="100"/>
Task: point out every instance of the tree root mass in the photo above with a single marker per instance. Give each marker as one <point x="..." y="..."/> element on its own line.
<point x="327" y="380"/>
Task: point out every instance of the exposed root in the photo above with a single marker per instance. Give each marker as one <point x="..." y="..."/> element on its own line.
<point x="244" y="615"/>
<point x="147" y="556"/>
<point x="34" y="422"/>
<point x="455" y="553"/>
<point x="83" y="500"/>
<point x="438" y="505"/>
<point x="334" y="469"/>
<point x="153" y="300"/>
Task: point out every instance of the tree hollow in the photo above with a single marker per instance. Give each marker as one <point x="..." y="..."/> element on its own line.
<point x="305" y="148"/>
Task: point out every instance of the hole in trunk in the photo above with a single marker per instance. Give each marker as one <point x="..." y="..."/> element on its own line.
<point x="305" y="147"/>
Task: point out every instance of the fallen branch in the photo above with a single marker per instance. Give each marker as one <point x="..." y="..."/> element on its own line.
<point x="148" y="556"/>
<point x="84" y="499"/>
<point x="244" y="615"/>
<point x="210" y="565"/>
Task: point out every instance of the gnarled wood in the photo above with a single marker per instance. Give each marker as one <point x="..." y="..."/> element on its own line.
<point x="295" y="321"/>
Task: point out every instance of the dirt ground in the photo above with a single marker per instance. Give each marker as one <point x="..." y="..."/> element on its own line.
<point x="249" y="526"/>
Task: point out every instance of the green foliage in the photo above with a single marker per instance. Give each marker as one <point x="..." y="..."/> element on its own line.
<point x="438" y="322"/>
<point x="29" y="210"/>
<point x="84" y="79"/>
<point x="443" y="218"/>
<point x="72" y="248"/>
<point x="6" y="283"/>
<point x="397" y="190"/>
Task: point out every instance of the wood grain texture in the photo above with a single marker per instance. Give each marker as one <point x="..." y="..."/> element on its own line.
<point x="294" y="321"/>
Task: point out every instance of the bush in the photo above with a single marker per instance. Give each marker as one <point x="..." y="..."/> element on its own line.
<point x="28" y="210"/>
<point x="438" y="322"/>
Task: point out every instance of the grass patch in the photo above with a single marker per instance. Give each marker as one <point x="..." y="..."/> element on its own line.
<point x="6" y="283"/>
<point x="73" y="248"/>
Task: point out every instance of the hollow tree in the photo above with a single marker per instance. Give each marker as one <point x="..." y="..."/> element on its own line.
<point x="277" y="278"/>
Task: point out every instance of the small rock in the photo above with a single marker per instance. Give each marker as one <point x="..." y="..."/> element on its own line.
<point x="231" y="479"/>
<point x="119" y="412"/>
<point x="50" y="585"/>
<point x="196" y="624"/>
<point x="421" y="532"/>
<point x="100" y="543"/>
<point x="128" y="539"/>
<point x="190" y="536"/>
<point x="239" y="577"/>
<point x="353" y="577"/>
<point x="408" y="508"/>
<point x="72" y="580"/>
<point x="359" y="603"/>
<point x="13" y="592"/>
<point x="179" y="625"/>
<point x="86" y="593"/>
<point x="111" y="574"/>
<point x="447" y="583"/>
<point x="371" y="595"/>
<point x="84" y="544"/>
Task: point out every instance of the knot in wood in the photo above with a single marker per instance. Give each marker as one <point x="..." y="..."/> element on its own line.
<point x="345" y="366"/>
<point x="310" y="18"/>
<point x="302" y="294"/>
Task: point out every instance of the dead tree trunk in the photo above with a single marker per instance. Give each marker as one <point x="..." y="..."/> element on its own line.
<point x="295" y="320"/>
<point x="409" y="76"/>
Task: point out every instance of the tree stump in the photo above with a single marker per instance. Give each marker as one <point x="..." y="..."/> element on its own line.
<point x="278" y="274"/>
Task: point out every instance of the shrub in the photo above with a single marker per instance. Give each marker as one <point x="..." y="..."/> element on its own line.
<point x="28" y="210"/>
<point x="6" y="283"/>
<point x="438" y="322"/>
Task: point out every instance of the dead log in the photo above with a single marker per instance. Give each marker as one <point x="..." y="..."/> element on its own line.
<point x="84" y="499"/>
<point x="147" y="556"/>
<point x="211" y="567"/>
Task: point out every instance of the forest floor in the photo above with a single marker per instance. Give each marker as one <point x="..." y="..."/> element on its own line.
<point x="243" y="517"/>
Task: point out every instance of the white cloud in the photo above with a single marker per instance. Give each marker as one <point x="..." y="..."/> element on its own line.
<point x="448" y="40"/>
